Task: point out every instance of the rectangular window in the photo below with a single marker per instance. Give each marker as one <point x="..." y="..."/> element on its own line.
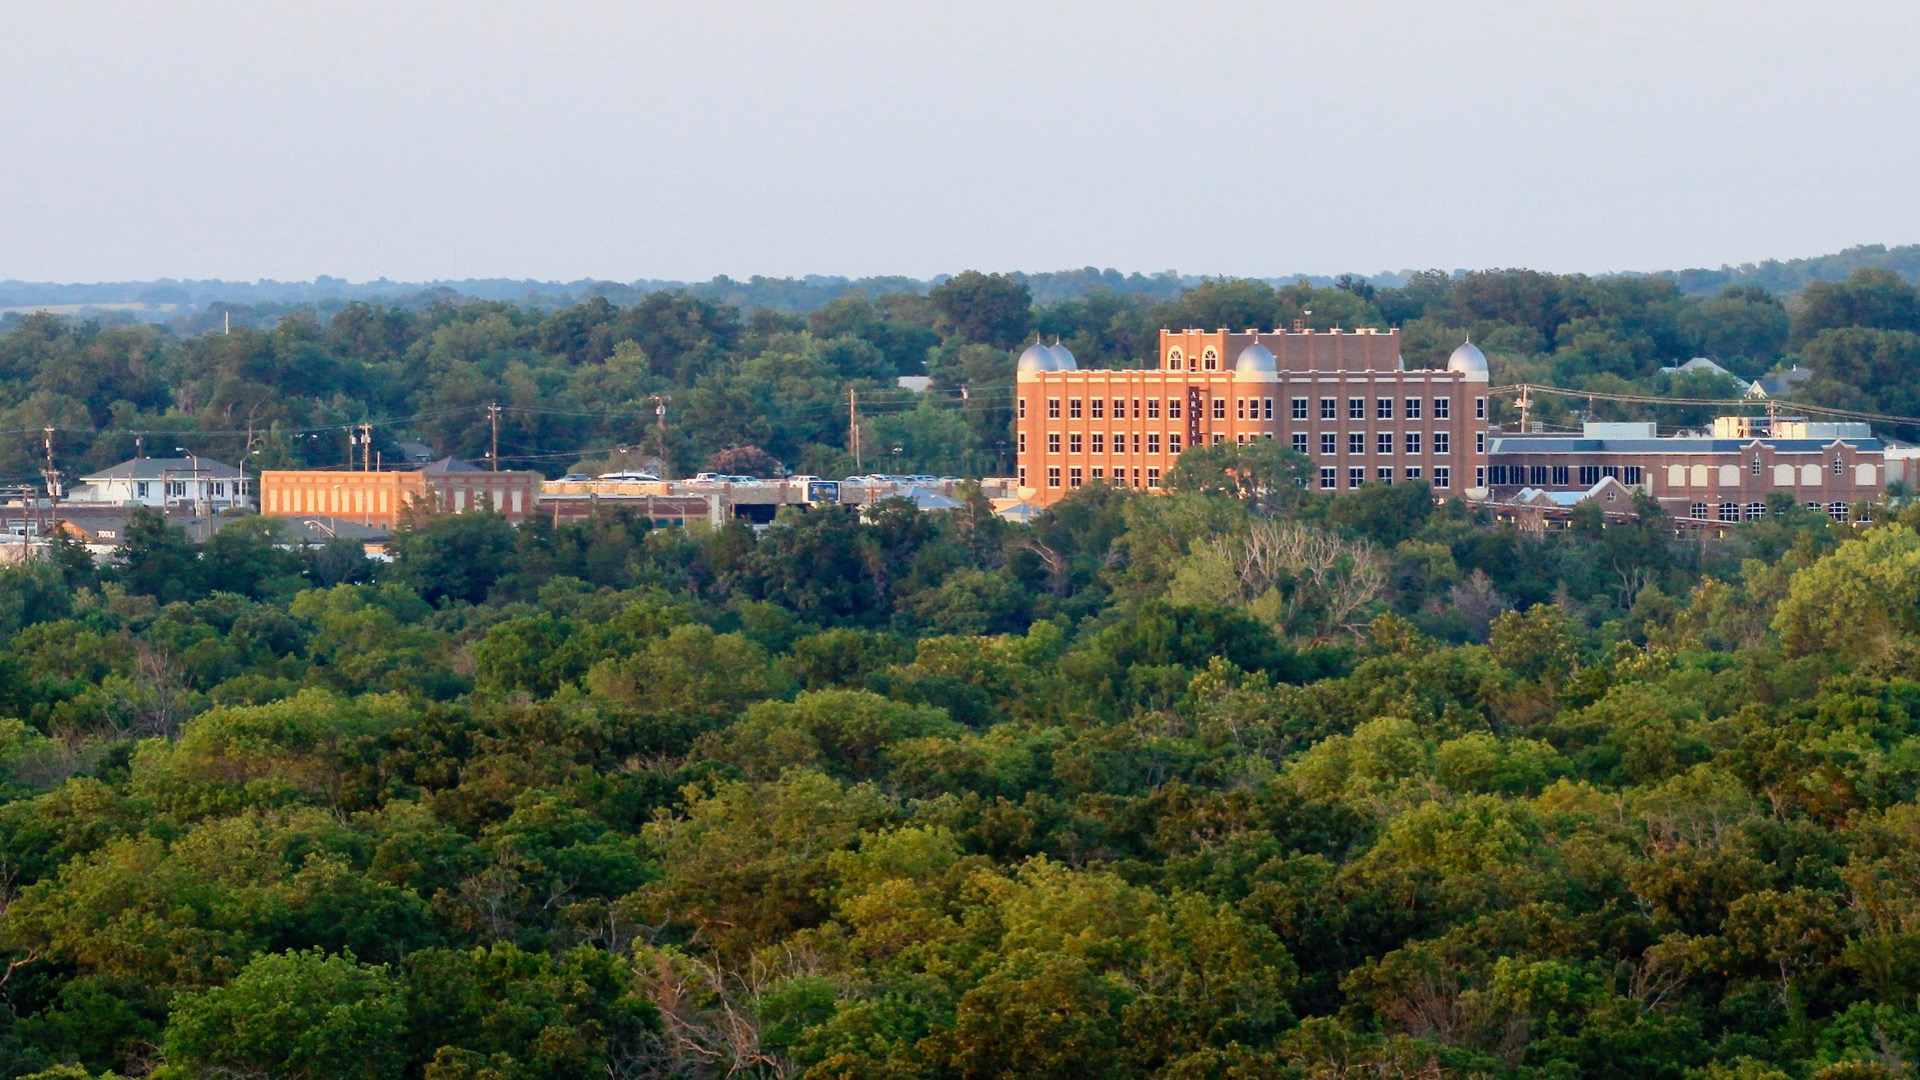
<point x="1383" y="409"/>
<point x="1299" y="408"/>
<point x="1413" y="408"/>
<point x="1023" y="408"/>
<point x="1328" y="444"/>
<point x="1240" y="409"/>
<point x="1267" y="408"/>
<point x="1136" y="409"/>
<point x="1299" y="442"/>
<point x="1537" y="475"/>
<point x="1589" y="475"/>
<point x="1632" y="474"/>
<point x="1053" y="408"/>
<point x="1413" y="442"/>
<point x="1498" y="475"/>
<point x="1153" y="408"/>
<point x="1173" y="442"/>
<point x="1119" y="408"/>
<point x="1073" y="409"/>
<point x="1073" y="443"/>
<point x="1479" y="408"/>
<point x="1479" y="442"/>
<point x="1098" y="473"/>
<point x="1329" y="409"/>
<point x="1356" y="477"/>
<point x="1153" y="478"/>
<point x="1099" y="443"/>
<point x="1153" y="442"/>
<point x="1053" y="442"/>
<point x="1053" y="476"/>
<point x="1442" y="408"/>
<point x="1356" y="408"/>
<point x="1023" y="476"/>
<point x="1383" y="442"/>
<point x="1413" y="472"/>
<point x="1384" y="474"/>
<point x="1073" y="478"/>
<point x="1729" y="512"/>
<point x="1136" y="442"/>
<point x="1754" y="467"/>
<point x="1173" y="408"/>
<point x="1560" y="476"/>
<point x="1698" y="511"/>
<point x="1021" y="440"/>
<point x="1442" y="476"/>
<point x="1442" y="442"/>
<point x="1329" y="477"/>
<point x="1756" y="511"/>
<point x="1838" y="465"/>
<point x="1480" y="476"/>
<point x="1219" y="408"/>
<point x="1357" y="443"/>
<point x="1119" y="442"/>
<point x="1097" y="408"/>
<point x="1610" y="470"/>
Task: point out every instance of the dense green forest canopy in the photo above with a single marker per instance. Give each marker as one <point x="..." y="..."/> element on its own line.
<point x="1238" y="780"/>
<point x="1234" y="781"/>
<point x="579" y="383"/>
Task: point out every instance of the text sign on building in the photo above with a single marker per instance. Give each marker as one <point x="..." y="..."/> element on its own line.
<point x="1193" y="416"/>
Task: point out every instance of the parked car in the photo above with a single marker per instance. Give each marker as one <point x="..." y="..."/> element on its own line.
<point x="575" y="478"/>
<point x="626" y="474"/>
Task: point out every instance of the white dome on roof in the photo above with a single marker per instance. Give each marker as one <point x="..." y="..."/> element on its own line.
<point x="1036" y="359"/>
<point x="1468" y="359"/>
<point x="1063" y="357"/>
<point x="1256" y="359"/>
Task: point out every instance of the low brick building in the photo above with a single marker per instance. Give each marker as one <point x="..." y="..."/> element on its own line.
<point x="379" y="498"/>
<point x="1723" y="477"/>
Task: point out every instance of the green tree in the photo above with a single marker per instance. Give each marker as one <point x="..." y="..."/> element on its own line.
<point x="300" y="1015"/>
<point x="453" y="557"/>
<point x="985" y="309"/>
<point x="159" y="560"/>
<point x="249" y="557"/>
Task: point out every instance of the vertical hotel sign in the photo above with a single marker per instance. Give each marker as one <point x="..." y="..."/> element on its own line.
<point x="1193" y="416"/>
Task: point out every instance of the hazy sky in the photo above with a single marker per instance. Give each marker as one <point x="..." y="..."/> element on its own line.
<point x="678" y="141"/>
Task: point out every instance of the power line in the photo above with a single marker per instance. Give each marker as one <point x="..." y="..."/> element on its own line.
<point x="1640" y="399"/>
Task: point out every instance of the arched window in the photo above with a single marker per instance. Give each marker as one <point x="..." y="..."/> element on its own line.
<point x="1175" y="361"/>
<point x="1212" y="359"/>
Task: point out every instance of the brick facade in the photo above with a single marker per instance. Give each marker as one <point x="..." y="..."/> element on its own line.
<point x="1340" y="397"/>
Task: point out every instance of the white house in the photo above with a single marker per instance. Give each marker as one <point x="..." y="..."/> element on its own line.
<point x="161" y="482"/>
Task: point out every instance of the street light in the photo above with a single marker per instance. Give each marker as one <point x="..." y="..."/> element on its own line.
<point x="195" y="459"/>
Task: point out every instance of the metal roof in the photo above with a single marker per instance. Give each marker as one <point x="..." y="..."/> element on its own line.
<point x="1536" y="444"/>
<point x="451" y="465"/>
<point x="171" y="467"/>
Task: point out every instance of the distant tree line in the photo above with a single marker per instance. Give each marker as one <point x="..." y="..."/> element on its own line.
<point x="580" y="384"/>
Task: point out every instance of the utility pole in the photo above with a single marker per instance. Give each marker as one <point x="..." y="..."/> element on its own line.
<point x="53" y="491"/>
<point x="366" y="447"/>
<point x="853" y="424"/>
<point x="1524" y="428"/>
<point x="660" y="421"/>
<point x="493" y="415"/>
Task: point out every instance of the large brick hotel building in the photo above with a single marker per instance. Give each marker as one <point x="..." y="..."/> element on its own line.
<point x="1343" y="398"/>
